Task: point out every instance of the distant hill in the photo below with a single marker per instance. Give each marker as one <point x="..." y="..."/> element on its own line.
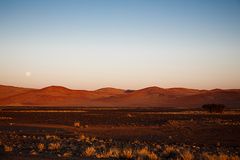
<point x="112" y="97"/>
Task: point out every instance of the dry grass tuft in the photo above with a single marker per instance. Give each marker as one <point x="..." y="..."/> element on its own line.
<point x="54" y="146"/>
<point x="127" y="153"/>
<point x="221" y="156"/>
<point x="33" y="152"/>
<point x="77" y="124"/>
<point x="8" y="148"/>
<point x="89" y="152"/>
<point x="67" y="154"/>
<point x="171" y="152"/>
<point x="207" y="156"/>
<point x="41" y="147"/>
<point x="187" y="155"/>
<point x="112" y="153"/>
<point x="145" y="153"/>
<point x="158" y="146"/>
<point x="169" y="149"/>
<point x="234" y="157"/>
<point x="93" y="139"/>
<point x="52" y="137"/>
<point x="82" y="137"/>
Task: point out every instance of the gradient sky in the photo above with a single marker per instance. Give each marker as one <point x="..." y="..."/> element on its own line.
<point x="89" y="44"/>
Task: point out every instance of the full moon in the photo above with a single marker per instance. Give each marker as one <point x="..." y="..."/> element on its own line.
<point x="28" y="74"/>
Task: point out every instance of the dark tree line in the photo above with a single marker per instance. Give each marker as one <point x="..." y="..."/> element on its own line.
<point x="214" y="108"/>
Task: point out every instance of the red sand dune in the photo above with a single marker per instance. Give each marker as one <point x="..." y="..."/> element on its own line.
<point x="111" y="97"/>
<point x="7" y="91"/>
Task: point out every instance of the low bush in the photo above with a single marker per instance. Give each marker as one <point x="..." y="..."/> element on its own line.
<point x="214" y="108"/>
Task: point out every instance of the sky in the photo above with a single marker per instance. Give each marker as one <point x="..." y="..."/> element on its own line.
<point x="129" y="44"/>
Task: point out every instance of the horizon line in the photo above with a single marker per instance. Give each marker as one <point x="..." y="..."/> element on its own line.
<point x="70" y="88"/>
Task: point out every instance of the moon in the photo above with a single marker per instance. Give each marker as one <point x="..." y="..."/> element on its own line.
<point x="28" y="74"/>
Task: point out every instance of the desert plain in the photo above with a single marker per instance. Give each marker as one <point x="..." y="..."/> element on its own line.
<point x="31" y="131"/>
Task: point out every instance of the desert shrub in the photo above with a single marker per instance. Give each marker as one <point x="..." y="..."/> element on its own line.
<point x="90" y="151"/>
<point x="214" y="108"/>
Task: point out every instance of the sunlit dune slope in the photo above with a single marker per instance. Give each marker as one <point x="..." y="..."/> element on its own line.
<point x="7" y="91"/>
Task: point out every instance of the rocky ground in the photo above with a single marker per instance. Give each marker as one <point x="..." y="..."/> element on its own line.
<point x="119" y="134"/>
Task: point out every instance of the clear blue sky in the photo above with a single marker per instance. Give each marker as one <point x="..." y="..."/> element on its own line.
<point x="89" y="44"/>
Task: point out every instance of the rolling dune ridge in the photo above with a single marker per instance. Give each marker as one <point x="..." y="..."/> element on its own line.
<point x="111" y="97"/>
